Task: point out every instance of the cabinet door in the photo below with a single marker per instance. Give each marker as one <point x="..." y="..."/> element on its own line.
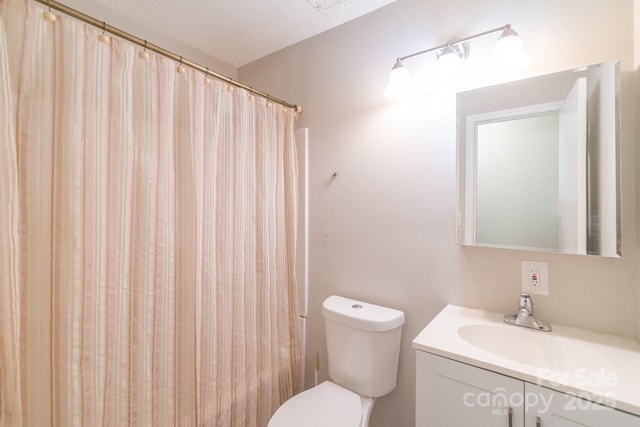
<point x="454" y="394"/>
<point x="548" y="408"/>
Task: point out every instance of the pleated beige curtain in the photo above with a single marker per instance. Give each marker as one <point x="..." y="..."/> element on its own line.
<point x="147" y="232"/>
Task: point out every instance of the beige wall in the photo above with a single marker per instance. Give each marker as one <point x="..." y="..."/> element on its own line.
<point x="383" y="230"/>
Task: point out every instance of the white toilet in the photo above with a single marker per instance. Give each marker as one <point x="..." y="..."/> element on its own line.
<point x="363" y="346"/>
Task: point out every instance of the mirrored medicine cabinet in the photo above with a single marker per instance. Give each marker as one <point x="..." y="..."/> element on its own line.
<point x="538" y="163"/>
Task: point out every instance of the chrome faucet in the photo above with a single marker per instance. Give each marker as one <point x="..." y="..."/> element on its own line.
<point x="525" y="316"/>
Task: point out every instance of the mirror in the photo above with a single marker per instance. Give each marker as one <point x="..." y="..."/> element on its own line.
<point x="538" y="163"/>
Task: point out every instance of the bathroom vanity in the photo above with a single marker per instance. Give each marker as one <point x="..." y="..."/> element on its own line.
<point x="475" y="370"/>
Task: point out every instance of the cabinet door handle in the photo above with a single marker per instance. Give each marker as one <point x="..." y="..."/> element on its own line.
<point x="538" y="422"/>
<point x="511" y="418"/>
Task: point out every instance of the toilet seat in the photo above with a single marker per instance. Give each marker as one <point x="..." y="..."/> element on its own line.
<point x="324" y="405"/>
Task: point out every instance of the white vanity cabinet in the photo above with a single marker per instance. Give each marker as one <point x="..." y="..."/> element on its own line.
<point x="455" y="394"/>
<point x="549" y="408"/>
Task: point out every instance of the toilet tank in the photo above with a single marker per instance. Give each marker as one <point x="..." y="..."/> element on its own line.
<point x="363" y="345"/>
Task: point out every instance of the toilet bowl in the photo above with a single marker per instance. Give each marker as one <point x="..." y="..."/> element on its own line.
<point x="324" y="405"/>
<point x="363" y="347"/>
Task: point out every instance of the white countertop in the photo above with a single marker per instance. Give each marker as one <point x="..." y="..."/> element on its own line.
<point x="599" y="367"/>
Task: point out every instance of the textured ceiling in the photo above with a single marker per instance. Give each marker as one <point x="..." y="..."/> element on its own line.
<point x="238" y="32"/>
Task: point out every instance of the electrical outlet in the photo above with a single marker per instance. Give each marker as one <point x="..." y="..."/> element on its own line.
<point x="535" y="277"/>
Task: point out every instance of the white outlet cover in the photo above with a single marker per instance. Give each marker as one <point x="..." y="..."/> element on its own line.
<point x="543" y="278"/>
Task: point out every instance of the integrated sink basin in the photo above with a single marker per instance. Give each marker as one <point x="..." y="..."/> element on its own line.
<point x="595" y="366"/>
<point x="542" y="350"/>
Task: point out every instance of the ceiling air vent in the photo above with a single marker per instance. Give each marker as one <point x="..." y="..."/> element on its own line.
<point x="323" y="6"/>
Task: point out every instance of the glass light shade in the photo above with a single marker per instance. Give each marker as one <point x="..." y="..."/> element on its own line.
<point x="508" y="52"/>
<point x="449" y="66"/>
<point x="449" y="63"/>
<point x="399" y="84"/>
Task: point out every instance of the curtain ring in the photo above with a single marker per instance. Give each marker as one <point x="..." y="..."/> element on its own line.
<point x="144" y="54"/>
<point x="47" y="14"/>
<point x="207" y="80"/>
<point x="103" y="37"/>
<point x="180" y="68"/>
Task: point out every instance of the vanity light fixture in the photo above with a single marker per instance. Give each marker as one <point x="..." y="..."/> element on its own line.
<point x="507" y="53"/>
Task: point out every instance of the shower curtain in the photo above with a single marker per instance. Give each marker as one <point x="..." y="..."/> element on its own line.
<point x="147" y="237"/>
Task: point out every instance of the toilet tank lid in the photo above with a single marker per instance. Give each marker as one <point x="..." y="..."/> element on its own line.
<point x="361" y="315"/>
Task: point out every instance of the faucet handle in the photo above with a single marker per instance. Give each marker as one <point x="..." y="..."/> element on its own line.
<point x="526" y="304"/>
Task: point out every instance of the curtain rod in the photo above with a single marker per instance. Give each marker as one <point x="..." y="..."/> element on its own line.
<point x="52" y="4"/>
